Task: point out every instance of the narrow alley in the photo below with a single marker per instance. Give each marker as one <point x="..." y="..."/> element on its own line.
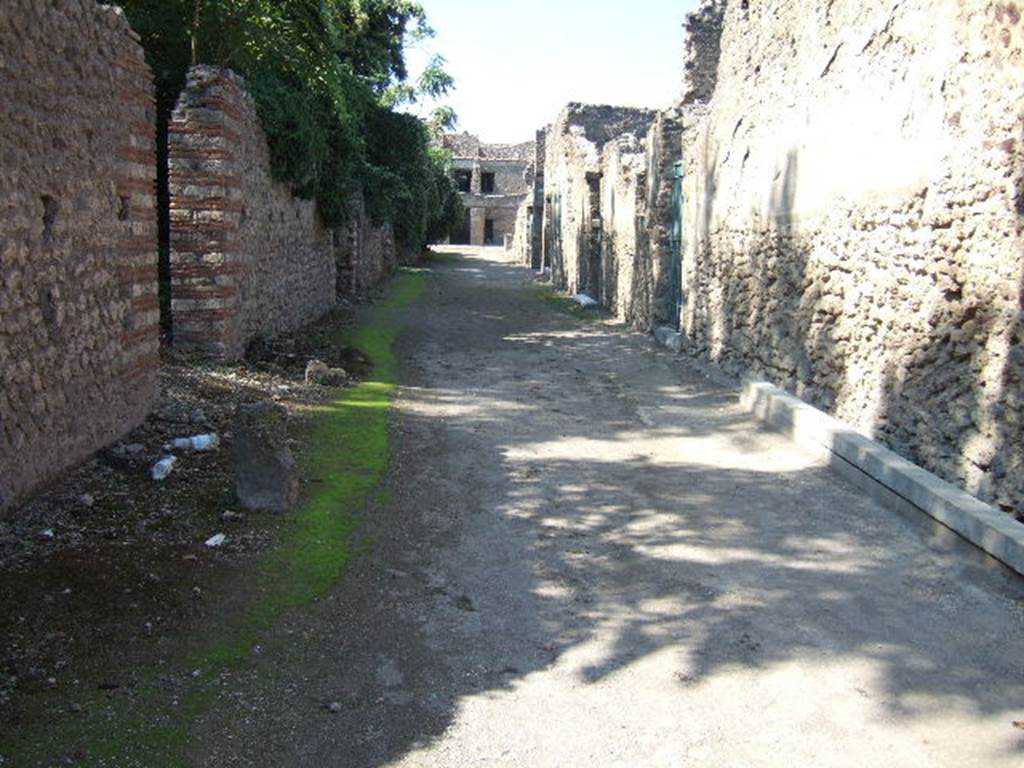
<point x="586" y="554"/>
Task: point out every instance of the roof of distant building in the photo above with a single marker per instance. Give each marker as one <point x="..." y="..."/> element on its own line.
<point x="468" y="146"/>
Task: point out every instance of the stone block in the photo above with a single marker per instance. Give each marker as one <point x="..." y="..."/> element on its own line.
<point x="266" y="472"/>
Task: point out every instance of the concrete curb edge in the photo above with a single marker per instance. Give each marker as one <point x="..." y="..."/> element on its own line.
<point x="981" y="524"/>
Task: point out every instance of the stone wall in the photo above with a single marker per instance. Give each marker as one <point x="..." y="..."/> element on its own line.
<point x="854" y="222"/>
<point x="365" y="254"/>
<point x="535" y="245"/>
<point x="248" y="259"/>
<point x="625" y="264"/>
<point x="573" y="228"/>
<point x="702" y="51"/>
<point x="637" y="176"/>
<point x="78" y="240"/>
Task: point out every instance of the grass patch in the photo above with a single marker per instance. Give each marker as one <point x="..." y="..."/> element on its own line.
<point x="348" y="450"/>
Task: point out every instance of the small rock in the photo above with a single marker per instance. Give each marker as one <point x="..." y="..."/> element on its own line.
<point x="319" y="373"/>
<point x="46" y="534"/>
<point x="86" y="500"/>
<point x="463" y="603"/>
<point x="74" y="708"/>
<point x="229" y="516"/>
<point x="216" y="540"/>
<point x="134" y="449"/>
<point x="334" y="707"/>
<point x="198" y="416"/>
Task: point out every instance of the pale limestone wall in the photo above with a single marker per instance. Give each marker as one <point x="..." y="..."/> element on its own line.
<point x="572" y="189"/>
<point x="248" y="258"/>
<point x="855" y="204"/>
<point x="626" y="273"/>
<point x="79" y="313"/>
<point x="637" y="176"/>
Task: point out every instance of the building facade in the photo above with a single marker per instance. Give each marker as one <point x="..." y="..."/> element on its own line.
<point x="493" y="180"/>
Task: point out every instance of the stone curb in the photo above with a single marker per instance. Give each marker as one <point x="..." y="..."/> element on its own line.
<point x="981" y="524"/>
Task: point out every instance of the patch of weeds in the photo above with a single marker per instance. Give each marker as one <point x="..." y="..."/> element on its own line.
<point x="441" y="257"/>
<point x="567" y="306"/>
<point x="147" y="720"/>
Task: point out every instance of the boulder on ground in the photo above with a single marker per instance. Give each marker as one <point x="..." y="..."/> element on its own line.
<point x="266" y="473"/>
<point x="319" y="373"/>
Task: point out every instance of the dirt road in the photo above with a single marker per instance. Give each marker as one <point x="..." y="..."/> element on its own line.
<point x="587" y="555"/>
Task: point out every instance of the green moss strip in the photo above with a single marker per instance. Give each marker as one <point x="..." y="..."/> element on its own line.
<point x="348" y="452"/>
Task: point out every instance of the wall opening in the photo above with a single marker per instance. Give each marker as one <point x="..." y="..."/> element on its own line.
<point x="463" y="180"/>
<point x="488" y="231"/>
<point x="487" y="183"/>
<point x="50" y="210"/>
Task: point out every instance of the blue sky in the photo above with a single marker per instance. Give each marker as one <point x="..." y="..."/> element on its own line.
<point x="517" y="63"/>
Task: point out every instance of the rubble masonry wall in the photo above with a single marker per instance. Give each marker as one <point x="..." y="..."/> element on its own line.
<point x="854" y="215"/>
<point x="79" y="312"/>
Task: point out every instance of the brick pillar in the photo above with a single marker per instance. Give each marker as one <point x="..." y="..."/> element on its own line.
<point x="136" y="250"/>
<point x="205" y="214"/>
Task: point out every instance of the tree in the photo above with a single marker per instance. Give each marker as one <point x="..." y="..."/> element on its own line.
<point x="323" y="74"/>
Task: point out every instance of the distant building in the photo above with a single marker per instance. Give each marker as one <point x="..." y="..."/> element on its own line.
<point x="493" y="179"/>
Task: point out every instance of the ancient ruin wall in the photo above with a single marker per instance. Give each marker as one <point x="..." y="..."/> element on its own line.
<point x="248" y="258"/>
<point x="572" y="189"/>
<point x="365" y="254"/>
<point x="637" y="177"/>
<point x="535" y="245"/>
<point x="703" y="50"/>
<point x="626" y="273"/>
<point x="855" y="222"/>
<point x="78" y="276"/>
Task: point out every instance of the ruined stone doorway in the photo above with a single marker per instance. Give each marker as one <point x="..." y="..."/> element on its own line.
<point x="488" y="231"/>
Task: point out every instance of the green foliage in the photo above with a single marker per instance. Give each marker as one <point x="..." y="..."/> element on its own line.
<point x="326" y="76"/>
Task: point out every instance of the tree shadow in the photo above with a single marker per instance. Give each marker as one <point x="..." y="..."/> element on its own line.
<point x="565" y="499"/>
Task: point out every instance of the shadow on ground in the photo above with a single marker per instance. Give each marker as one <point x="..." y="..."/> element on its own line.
<point x="568" y="507"/>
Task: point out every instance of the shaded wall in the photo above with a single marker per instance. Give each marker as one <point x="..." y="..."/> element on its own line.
<point x="248" y="258"/>
<point x="365" y="253"/>
<point x="855" y="222"/>
<point x="637" y="177"/>
<point x="78" y="240"/>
